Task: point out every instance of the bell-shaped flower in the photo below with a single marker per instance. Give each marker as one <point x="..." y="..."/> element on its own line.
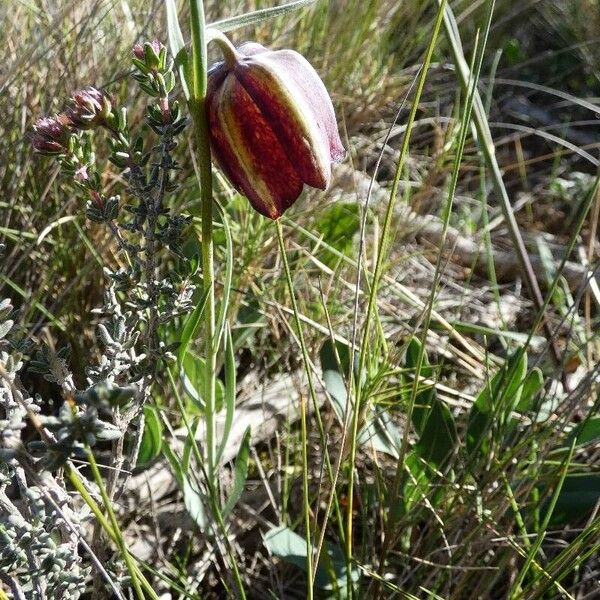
<point x="272" y="125"/>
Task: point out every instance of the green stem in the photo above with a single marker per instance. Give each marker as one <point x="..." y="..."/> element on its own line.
<point x="378" y="271"/>
<point x="197" y="108"/>
<point x="112" y="527"/>
<point x="305" y="490"/>
<point x="212" y="495"/>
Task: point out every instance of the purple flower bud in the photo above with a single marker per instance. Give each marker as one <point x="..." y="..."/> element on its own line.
<point x="138" y="51"/>
<point x="51" y="135"/>
<point x="272" y="126"/>
<point x="89" y="108"/>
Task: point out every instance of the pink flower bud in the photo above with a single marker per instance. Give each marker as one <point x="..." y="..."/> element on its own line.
<point x="51" y="135"/>
<point x="89" y="108"/>
<point x="272" y="126"/>
<point x="138" y="51"/>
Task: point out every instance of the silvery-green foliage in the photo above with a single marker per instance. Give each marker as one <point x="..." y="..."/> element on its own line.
<point x="15" y="402"/>
<point x="38" y="551"/>
<point x="118" y="335"/>
<point x="39" y="556"/>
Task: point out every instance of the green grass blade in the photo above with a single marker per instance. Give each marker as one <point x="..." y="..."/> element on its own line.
<point x="258" y="16"/>
<point x="230" y="389"/>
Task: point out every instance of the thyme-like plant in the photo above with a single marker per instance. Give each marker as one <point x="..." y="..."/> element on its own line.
<point x="138" y="303"/>
<point x="39" y="525"/>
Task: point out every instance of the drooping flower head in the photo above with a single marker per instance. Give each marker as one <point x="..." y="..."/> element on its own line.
<point x="272" y="126"/>
<point x="51" y="135"/>
<point x="89" y="108"/>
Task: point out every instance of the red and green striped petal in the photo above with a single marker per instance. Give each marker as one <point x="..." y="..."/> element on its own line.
<point x="250" y="153"/>
<point x="272" y="126"/>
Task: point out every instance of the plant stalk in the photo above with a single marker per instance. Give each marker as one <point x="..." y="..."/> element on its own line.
<point x="305" y="489"/>
<point x="197" y="104"/>
<point x="378" y="270"/>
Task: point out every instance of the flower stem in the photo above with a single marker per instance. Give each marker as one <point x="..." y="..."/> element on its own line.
<point x="305" y="490"/>
<point x="230" y="55"/>
<point x="197" y="108"/>
<point x="212" y="495"/>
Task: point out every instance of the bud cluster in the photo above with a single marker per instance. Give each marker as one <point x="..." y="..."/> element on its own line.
<point x="88" y="108"/>
<point x="52" y="135"/>
<point x="155" y="77"/>
<point x="142" y="228"/>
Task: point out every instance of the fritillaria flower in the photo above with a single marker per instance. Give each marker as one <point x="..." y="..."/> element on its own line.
<point x="272" y="125"/>
<point x="51" y="135"/>
<point x="89" y="108"/>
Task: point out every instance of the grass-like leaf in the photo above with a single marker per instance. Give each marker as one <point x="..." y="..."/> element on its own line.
<point x="258" y="16"/>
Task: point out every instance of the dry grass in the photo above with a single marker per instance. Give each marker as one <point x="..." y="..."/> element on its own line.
<point x="467" y="534"/>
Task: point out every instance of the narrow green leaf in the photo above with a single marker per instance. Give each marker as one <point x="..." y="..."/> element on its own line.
<point x="426" y="395"/>
<point x="177" y="44"/>
<point x="439" y="437"/>
<point x="497" y="399"/>
<point x="258" y="16"/>
<point x="240" y="473"/>
<point x="382" y="434"/>
<point x="289" y="546"/>
<point x="175" y="36"/>
<point x="193" y="501"/>
<point x="230" y="392"/>
<point x="411" y="357"/>
<point x="152" y="437"/>
<point x="332" y="377"/>
<point x="586" y="432"/>
<point x="174" y="462"/>
<point x="190" y="326"/>
<point x="192" y="374"/>
<point x="516" y="373"/>
<point x="228" y="278"/>
<point x="188" y="446"/>
<point x="533" y="384"/>
<point x="415" y="486"/>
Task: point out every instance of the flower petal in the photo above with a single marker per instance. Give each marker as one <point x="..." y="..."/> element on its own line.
<point x="315" y="95"/>
<point x="295" y="102"/>
<point x="248" y="150"/>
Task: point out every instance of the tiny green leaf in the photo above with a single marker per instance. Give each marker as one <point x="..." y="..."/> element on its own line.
<point x="240" y="473"/>
<point x="152" y="437"/>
